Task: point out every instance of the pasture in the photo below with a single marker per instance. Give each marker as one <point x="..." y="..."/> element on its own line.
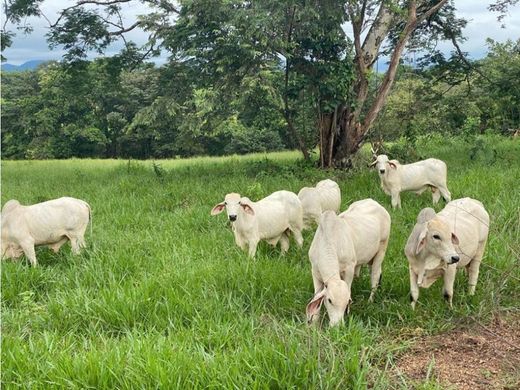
<point x="163" y="298"/>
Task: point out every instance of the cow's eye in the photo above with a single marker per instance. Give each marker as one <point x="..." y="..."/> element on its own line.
<point x="225" y="203"/>
<point x="436" y="236"/>
<point x="330" y="301"/>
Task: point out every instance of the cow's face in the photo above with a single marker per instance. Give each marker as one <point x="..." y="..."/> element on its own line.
<point x="336" y="297"/>
<point x="383" y="164"/>
<point x="233" y="203"/>
<point x="438" y="240"/>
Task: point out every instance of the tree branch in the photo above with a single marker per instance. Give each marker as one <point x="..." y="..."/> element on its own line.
<point x="85" y="2"/>
<point x="431" y="11"/>
<point x="125" y="30"/>
<point x="412" y="21"/>
<point x="286" y="111"/>
<point x="388" y="80"/>
<point x="465" y="60"/>
<point x="102" y="3"/>
<point x="377" y="34"/>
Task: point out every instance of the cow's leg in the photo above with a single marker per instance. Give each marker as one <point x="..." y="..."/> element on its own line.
<point x="347" y="274"/>
<point x="396" y="199"/>
<point x="239" y="240"/>
<point x="298" y="237"/>
<point x="28" y="249"/>
<point x="436" y="195"/>
<point x="445" y="193"/>
<point x="76" y="243"/>
<point x="449" y="281"/>
<point x="252" y="247"/>
<point x="284" y="243"/>
<point x="357" y="271"/>
<point x="297" y="233"/>
<point x="414" y="288"/>
<point x="375" y="273"/>
<point x="81" y="242"/>
<point x="474" y="267"/>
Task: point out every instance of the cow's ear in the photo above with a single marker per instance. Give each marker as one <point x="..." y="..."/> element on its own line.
<point x="392" y="165"/>
<point x="421" y="241"/>
<point x="454" y="239"/>
<point x="248" y="209"/>
<point x="314" y="306"/>
<point x="218" y="208"/>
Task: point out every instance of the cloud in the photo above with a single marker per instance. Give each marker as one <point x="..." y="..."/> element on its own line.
<point x="482" y="24"/>
<point x="34" y="46"/>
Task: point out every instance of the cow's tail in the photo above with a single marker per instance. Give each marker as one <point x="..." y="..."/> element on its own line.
<point x="89" y="217"/>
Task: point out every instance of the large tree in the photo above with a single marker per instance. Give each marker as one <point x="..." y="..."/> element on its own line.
<point x="324" y="70"/>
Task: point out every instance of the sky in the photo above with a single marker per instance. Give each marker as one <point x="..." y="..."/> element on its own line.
<point x="482" y="24"/>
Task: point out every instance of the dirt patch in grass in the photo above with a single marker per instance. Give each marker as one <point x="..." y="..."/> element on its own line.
<point x="475" y="356"/>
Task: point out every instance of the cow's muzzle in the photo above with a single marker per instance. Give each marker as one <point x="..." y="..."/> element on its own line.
<point x="454" y="259"/>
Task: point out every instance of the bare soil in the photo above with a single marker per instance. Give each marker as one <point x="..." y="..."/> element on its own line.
<point x="474" y="356"/>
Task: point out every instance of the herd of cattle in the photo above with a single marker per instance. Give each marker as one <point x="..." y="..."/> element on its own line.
<point x="438" y="245"/>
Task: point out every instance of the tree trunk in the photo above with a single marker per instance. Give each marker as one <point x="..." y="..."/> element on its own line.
<point x="340" y="138"/>
<point x="295" y="135"/>
<point x="343" y="131"/>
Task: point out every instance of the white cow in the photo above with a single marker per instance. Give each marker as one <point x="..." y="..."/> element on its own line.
<point x="315" y="200"/>
<point x="341" y="245"/>
<point x="418" y="177"/>
<point x="50" y="223"/>
<point x="440" y="243"/>
<point x="271" y="218"/>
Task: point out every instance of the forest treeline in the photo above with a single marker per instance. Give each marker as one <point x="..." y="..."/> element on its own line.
<point x="111" y="108"/>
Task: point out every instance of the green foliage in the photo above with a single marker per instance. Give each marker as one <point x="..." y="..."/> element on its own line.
<point x="103" y="109"/>
<point x="300" y="61"/>
<point x="470" y="127"/>
<point x="109" y="108"/>
<point x="231" y="136"/>
<point x="163" y="298"/>
<point x="450" y="101"/>
<point x="404" y="150"/>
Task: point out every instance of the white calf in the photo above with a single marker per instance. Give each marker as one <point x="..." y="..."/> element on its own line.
<point x="270" y="219"/>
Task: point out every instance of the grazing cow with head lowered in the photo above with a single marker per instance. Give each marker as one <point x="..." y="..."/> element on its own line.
<point x="440" y="243"/>
<point x="418" y="177"/>
<point x="271" y="218"/>
<point x="341" y="245"/>
<point x="50" y="223"/>
<point x="315" y="200"/>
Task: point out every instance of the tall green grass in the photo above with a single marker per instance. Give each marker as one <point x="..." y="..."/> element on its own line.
<point x="163" y="298"/>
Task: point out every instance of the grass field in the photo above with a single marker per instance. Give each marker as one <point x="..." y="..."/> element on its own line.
<point x="163" y="298"/>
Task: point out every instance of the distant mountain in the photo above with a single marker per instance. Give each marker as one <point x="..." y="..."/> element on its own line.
<point x="29" y="65"/>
